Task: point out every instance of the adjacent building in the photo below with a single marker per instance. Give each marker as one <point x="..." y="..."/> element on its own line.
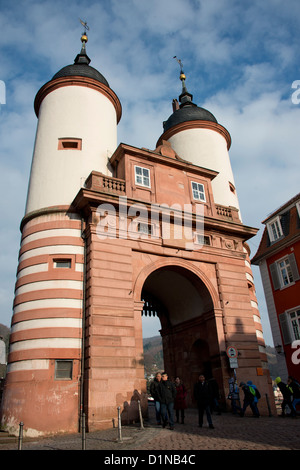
<point x="278" y="258"/>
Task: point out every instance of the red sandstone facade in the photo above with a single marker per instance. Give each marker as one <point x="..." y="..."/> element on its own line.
<point x="204" y="297"/>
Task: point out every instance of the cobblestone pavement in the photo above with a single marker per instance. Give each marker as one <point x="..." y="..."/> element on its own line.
<point x="229" y="433"/>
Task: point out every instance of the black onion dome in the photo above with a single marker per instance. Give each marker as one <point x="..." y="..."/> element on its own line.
<point x="81" y="70"/>
<point x="81" y="67"/>
<point x="188" y="113"/>
<point x="187" y="110"/>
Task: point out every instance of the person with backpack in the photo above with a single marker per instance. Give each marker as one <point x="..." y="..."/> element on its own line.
<point x="234" y="396"/>
<point x="295" y="386"/>
<point x="250" y="399"/>
<point x="287" y="394"/>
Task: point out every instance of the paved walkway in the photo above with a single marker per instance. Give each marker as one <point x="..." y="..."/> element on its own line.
<point x="230" y="433"/>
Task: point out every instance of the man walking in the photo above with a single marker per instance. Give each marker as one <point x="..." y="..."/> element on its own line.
<point x="202" y="395"/>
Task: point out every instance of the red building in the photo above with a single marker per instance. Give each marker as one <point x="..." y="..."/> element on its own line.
<point x="278" y="258"/>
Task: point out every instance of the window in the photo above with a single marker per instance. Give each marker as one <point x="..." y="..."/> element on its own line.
<point x="63" y="370"/>
<point x="142" y="176"/>
<point x="295" y="321"/>
<point x="202" y="239"/>
<point x="144" y="228"/>
<point x="290" y="325"/>
<point x="69" y="143"/>
<point x="284" y="272"/>
<point x="62" y="263"/>
<point x="275" y="229"/>
<point x="198" y="191"/>
<point x="298" y="208"/>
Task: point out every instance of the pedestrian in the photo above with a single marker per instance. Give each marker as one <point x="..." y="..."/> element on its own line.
<point x="287" y="393"/>
<point x="167" y="393"/>
<point x="255" y="392"/>
<point x="248" y="400"/>
<point x="234" y="396"/>
<point x="295" y="386"/>
<point x="154" y="393"/>
<point x="202" y="395"/>
<point x="215" y="396"/>
<point x="180" y="399"/>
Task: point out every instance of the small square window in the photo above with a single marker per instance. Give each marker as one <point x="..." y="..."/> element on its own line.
<point x="198" y="191"/>
<point x="142" y="176"/>
<point x="144" y="228"/>
<point x="62" y="263"/>
<point x="202" y="239"/>
<point x="63" y="370"/>
<point x="69" y="144"/>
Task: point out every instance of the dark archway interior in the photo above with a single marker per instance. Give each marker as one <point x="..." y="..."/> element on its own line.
<point x="181" y="301"/>
<point x="179" y="293"/>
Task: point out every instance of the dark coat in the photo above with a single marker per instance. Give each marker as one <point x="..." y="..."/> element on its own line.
<point x="153" y="389"/>
<point x="285" y="390"/>
<point x="166" y="392"/>
<point x="248" y="396"/>
<point x="202" y="393"/>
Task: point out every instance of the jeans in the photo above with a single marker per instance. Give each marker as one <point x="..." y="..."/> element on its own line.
<point x="253" y="407"/>
<point x="157" y="411"/>
<point x="201" y="409"/>
<point x="296" y="402"/>
<point x="168" y="409"/>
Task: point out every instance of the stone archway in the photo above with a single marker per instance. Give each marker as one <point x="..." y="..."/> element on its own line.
<point x="186" y="305"/>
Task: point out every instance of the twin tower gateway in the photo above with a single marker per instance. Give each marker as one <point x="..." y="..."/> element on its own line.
<point x="104" y="242"/>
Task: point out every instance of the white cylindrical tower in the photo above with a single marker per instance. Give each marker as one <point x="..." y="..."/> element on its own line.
<point x="196" y="136"/>
<point x="76" y="133"/>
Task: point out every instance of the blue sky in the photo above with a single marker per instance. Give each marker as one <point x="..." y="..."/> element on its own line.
<point x="240" y="59"/>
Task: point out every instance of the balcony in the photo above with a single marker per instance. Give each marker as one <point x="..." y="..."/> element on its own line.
<point x="99" y="182"/>
<point x="228" y="213"/>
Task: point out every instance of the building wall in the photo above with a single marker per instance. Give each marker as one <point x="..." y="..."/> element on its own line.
<point x="79" y="112"/>
<point x="286" y="299"/>
<point x="46" y="327"/>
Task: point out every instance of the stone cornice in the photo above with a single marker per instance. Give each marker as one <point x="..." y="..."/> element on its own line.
<point x="183" y="126"/>
<point x="77" y="81"/>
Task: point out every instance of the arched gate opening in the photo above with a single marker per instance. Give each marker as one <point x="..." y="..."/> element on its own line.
<point x="185" y="308"/>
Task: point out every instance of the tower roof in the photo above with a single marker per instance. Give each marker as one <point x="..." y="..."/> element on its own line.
<point x="187" y="110"/>
<point x="79" y="73"/>
<point x="81" y="66"/>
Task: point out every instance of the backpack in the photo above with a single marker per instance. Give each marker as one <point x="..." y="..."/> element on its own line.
<point x="254" y="392"/>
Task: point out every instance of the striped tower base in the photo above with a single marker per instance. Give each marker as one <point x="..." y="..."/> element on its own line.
<point x="43" y="378"/>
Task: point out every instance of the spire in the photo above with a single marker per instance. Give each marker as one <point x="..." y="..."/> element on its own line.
<point x="82" y="57"/>
<point x="185" y="98"/>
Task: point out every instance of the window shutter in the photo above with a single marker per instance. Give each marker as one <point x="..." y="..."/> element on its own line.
<point x="294" y="267"/>
<point x="274" y="275"/>
<point x="284" y="326"/>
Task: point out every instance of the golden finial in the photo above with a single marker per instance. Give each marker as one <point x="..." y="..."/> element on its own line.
<point x="182" y="74"/>
<point x="84" y="37"/>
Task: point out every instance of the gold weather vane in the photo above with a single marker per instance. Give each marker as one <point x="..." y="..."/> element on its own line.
<point x="182" y="75"/>
<point x="84" y="24"/>
<point x="84" y="38"/>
